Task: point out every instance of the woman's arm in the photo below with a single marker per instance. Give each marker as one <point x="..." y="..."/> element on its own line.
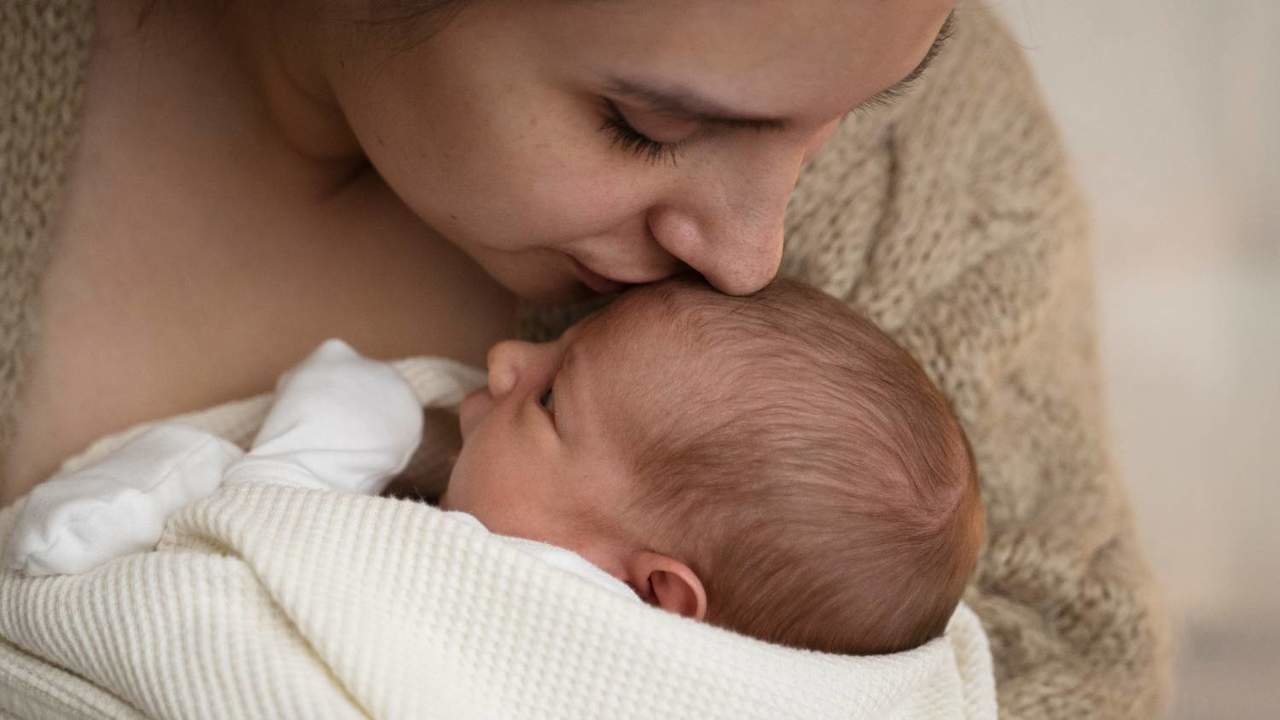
<point x="952" y="220"/>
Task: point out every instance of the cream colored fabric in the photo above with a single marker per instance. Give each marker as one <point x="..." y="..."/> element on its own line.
<point x="953" y="221"/>
<point x="338" y="421"/>
<point x="266" y="600"/>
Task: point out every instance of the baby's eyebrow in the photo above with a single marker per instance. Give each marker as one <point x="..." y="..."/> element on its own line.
<point x="569" y="360"/>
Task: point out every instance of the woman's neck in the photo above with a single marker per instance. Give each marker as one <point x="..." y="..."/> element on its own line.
<point x="285" y="50"/>
<point x="288" y="56"/>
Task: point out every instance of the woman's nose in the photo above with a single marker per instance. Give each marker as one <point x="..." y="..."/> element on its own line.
<point x="515" y="362"/>
<point x="737" y="258"/>
<point x="730" y="231"/>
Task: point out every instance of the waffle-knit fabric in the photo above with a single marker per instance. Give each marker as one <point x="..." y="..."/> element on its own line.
<point x="268" y="601"/>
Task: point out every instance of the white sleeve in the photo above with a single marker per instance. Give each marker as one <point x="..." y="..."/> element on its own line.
<point x="340" y="421"/>
<point x="75" y="521"/>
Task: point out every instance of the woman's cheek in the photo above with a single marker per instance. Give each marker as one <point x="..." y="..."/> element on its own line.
<point x="575" y="197"/>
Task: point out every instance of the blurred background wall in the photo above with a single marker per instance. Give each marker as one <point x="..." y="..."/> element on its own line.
<point x="1171" y="111"/>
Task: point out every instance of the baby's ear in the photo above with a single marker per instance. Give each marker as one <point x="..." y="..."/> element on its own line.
<point x="663" y="581"/>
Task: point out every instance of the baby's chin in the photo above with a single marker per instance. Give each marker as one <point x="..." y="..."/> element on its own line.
<point x="444" y="502"/>
<point x="452" y="499"/>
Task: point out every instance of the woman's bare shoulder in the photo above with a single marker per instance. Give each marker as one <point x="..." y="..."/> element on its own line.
<point x="196" y="260"/>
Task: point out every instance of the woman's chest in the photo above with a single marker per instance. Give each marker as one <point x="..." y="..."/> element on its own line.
<point x="205" y="262"/>
<point x="193" y="264"/>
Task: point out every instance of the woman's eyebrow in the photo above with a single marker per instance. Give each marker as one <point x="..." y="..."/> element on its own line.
<point x="891" y="93"/>
<point x="683" y="103"/>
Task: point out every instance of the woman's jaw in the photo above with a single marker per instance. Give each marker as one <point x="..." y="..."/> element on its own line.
<point x="596" y="282"/>
<point x="548" y="275"/>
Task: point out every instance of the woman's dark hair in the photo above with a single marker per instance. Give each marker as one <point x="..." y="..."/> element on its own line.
<point x="380" y="12"/>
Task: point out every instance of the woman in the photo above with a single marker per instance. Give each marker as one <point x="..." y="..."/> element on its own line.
<point x="250" y="178"/>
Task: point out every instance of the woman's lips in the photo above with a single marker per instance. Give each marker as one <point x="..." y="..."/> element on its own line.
<point x="595" y="281"/>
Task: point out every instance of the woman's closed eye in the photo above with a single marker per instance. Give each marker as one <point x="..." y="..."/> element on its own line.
<point x="627" y="137"/>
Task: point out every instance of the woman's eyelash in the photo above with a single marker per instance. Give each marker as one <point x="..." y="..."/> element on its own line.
<point x="628" y="138"/>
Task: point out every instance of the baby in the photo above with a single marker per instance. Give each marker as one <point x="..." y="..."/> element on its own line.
<point x="773" y="464"/>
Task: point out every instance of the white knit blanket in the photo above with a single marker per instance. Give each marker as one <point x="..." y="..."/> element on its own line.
<point x="276" y="602"/>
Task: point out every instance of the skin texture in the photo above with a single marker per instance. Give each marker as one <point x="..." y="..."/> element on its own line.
<point x="253" y="178"/>
<point x="491" y="129"/>
<point x="547" y="430"/>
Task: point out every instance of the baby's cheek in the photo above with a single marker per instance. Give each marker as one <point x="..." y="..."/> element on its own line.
<point x="460" y="493"/>
<point x="480" y="482"/>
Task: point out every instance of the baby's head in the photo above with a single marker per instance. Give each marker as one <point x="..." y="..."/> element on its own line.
<point x="774" y="464"/>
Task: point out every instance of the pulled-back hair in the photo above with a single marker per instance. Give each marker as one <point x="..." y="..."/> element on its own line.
<point x="813" y="477"/>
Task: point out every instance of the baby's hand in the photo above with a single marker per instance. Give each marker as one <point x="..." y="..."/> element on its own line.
<point x="340" y="421"/>
<point x="78" y="520"/>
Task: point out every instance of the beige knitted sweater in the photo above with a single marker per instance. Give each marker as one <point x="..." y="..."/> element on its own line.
<point x="952" y="220"/>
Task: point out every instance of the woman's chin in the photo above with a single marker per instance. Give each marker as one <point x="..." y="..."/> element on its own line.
<point x="543" y="281"/>
<point x="567" y="292"/>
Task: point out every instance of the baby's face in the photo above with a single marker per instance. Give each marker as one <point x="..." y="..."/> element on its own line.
<point x="539" y="454"/>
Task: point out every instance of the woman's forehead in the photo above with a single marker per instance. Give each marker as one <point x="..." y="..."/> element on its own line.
<point x="803" y="61"/>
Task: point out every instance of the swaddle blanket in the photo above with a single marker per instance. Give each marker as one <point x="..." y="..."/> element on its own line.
<point x="284" y="600"/>
<point x="338" y="421"/>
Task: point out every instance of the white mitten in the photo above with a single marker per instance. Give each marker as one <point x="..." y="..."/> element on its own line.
<point x="76" y="521"/>
<point x="340" y="422"/>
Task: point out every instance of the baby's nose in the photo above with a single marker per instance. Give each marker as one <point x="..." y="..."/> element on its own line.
<point x="508" y="361"/>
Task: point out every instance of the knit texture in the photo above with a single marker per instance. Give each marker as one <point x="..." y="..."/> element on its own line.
<point x="950" y="219"/>
<point x="277" y="601"/>
<point x="44" y="48"/>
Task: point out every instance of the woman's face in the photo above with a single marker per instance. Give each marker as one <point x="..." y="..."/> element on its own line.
<point x="572" y="145"/>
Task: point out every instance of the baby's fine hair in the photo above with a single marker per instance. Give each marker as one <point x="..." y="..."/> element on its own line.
<point x="807" y="470"/>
